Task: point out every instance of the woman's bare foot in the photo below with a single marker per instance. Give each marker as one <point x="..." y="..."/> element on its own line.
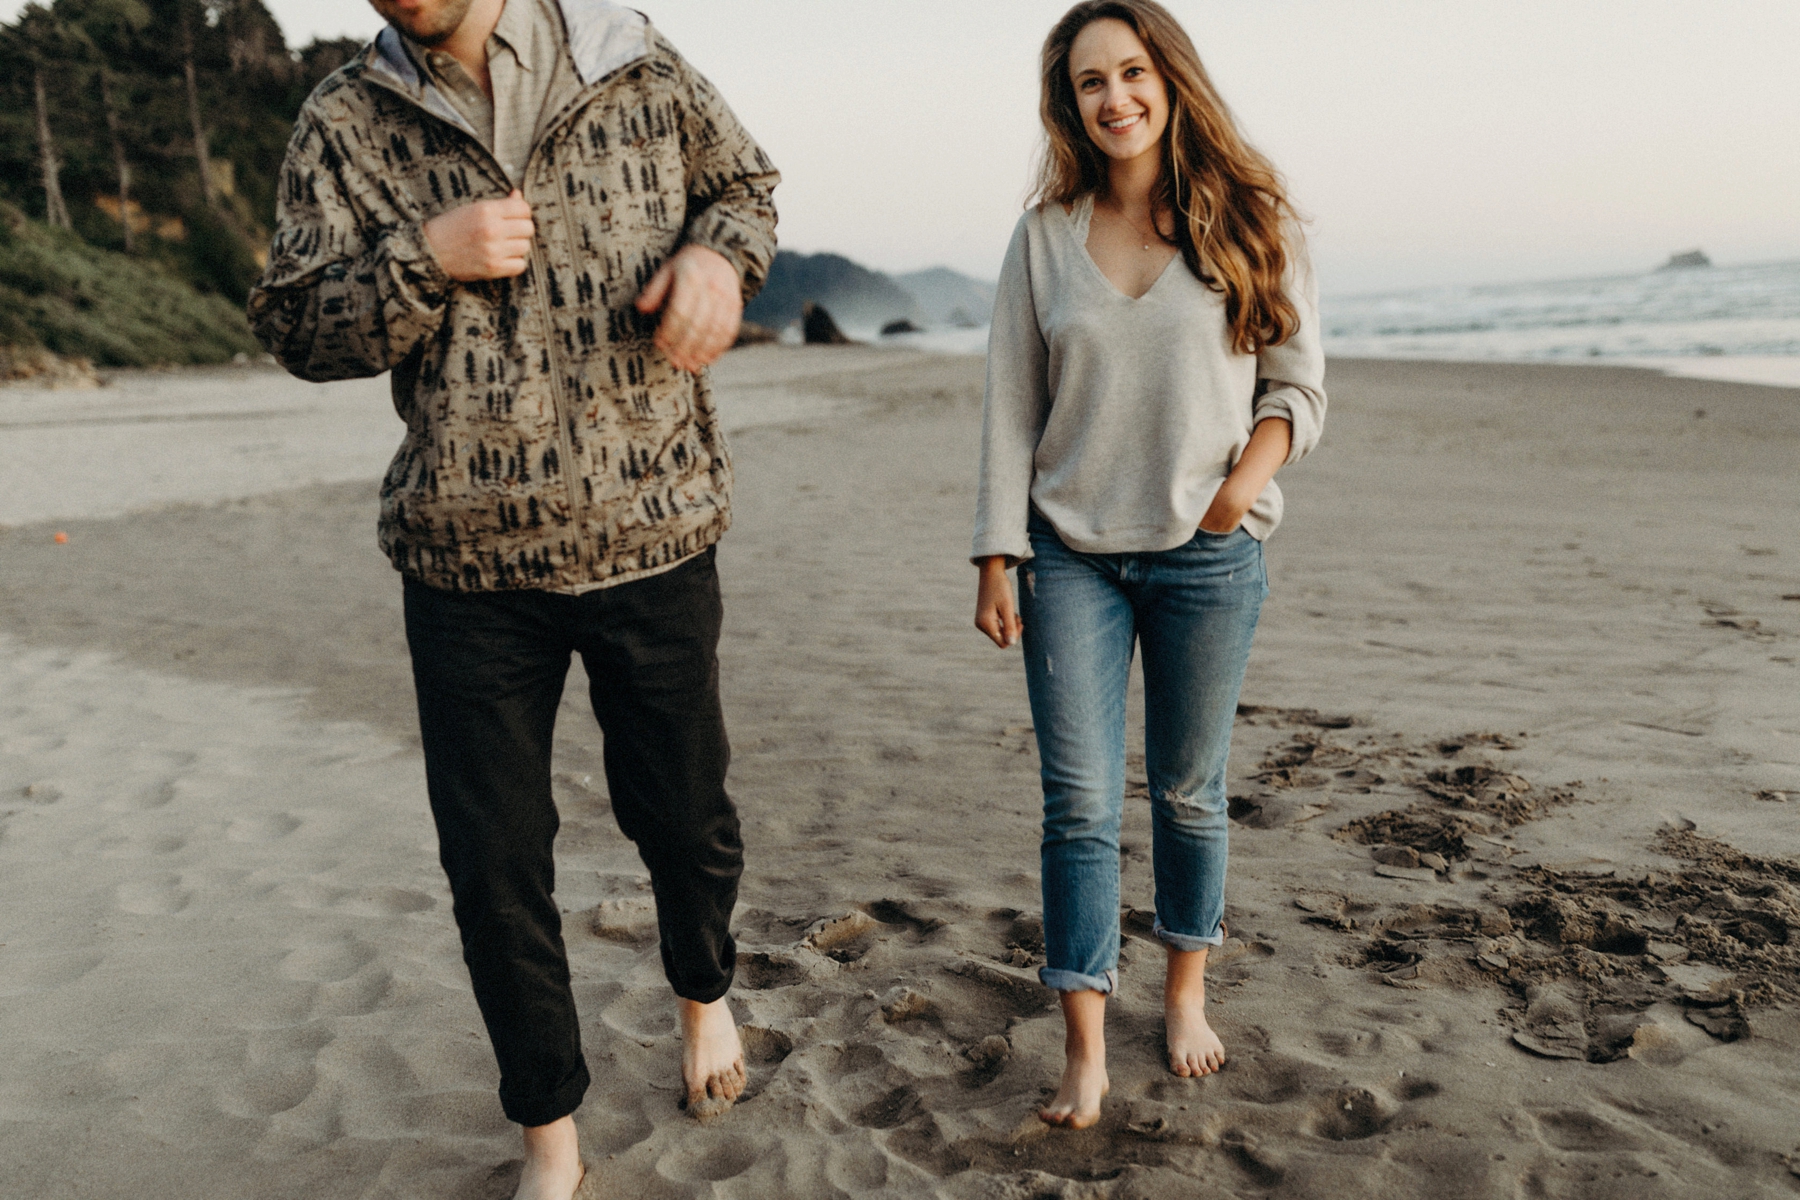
<point x="553" y="1167"/>
<point x="712" y="1058"/>
<point x="1194" y="1049"/>
<point x="1076" y="1104"/>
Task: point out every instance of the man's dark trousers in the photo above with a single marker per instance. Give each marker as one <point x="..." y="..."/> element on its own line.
<point x="489" y="668"/>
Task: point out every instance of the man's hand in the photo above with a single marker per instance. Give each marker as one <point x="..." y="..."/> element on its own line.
<point x="489" y="239"/>
<point x="701" y="299"/>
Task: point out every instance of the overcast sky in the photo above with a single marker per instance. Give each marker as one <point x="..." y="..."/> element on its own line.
<point x="1431" y="141"/>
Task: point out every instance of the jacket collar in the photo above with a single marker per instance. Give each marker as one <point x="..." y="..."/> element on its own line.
<point x="603" y="37"/>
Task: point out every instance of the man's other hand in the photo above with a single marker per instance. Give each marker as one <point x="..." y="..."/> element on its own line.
<point x="701" y="299"/>
<point x="489" y="239"/>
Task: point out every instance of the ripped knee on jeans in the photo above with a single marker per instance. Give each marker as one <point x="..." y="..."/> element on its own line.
<point x="1192" y="803"/>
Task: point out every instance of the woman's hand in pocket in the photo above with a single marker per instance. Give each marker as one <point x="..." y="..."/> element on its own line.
<point x="1226" y="512"/>
<point x="996" y="613"/>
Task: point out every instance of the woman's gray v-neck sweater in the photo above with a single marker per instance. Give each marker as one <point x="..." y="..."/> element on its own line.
<point x="1118" y="419"/>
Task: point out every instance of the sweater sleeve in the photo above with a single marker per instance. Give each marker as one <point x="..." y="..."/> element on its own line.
<point x="1291" y="377"/>
<point x="348" y="293"/>
<point x="1017" y="402"/>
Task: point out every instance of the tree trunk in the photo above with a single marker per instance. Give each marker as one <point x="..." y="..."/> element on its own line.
<point x="119" y="162"/>
<point x="201" y="156"/>
<point x="55" y="211"/>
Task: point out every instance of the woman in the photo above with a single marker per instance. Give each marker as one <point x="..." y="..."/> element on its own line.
<point x="1154" y="359"/>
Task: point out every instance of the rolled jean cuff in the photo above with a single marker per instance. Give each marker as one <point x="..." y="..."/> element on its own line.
<point x="1184" y="941"/>
<point x="1075" y="981"/>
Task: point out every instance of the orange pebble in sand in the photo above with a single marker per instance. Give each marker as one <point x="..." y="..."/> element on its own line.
<point x="62" y="539"/>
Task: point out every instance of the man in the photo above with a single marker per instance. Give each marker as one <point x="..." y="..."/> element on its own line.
<point x="495" y="202"/>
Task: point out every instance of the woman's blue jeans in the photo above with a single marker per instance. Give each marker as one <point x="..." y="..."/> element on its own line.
<point x="1194" y="610"/>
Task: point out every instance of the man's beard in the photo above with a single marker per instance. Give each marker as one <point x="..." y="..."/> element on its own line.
<point x="438" y="28"/>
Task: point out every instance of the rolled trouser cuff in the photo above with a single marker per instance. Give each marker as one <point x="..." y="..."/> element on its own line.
<point x="532" y="1111"/>
<point x="1184" y="941"/>
<point x="1075" y="981"/>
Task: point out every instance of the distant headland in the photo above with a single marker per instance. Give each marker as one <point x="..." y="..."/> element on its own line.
<point x="864" y="298"/>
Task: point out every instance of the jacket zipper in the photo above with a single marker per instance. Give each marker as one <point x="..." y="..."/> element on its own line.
<point x="565" y="442"/>
<point x="559" y="401"/>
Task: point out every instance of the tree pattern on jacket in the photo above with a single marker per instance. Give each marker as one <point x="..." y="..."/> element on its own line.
<point x="489" y="491"/>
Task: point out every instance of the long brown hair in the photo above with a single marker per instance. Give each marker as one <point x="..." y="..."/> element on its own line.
<point x="1231" y="204"/>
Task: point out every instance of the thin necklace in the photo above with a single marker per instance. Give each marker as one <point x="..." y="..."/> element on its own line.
<point x="1135" y="229"/>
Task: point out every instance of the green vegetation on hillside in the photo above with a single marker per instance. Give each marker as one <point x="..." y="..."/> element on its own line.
<point x="79" y="301"/>
<point x="148" y="128"/>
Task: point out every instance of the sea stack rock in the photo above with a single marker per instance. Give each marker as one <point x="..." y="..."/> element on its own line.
<point x="819" y="328"/>
<point x="1687" y="260"/>
<point x="903" y="325"/>
<point x="752" y="334"/>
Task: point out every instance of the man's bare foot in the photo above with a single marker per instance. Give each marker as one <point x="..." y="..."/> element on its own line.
<point x="1076" y="1104"/>
<point x="1194" y="1049"/>
<point x="712" y="1058"/>
<point x="553" y="1169"/>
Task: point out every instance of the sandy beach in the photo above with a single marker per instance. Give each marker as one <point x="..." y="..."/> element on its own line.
<point x="1515" y="893"/>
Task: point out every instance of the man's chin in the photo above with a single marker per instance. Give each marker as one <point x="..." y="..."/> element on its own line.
<point x="425" y="31"/>
<point x="432" y="26"/>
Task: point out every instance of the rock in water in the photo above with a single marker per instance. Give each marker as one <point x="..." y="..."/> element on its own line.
<point x="901" y="326"/>
<point x="819" y="328"/>
<point x="752" y="334"/>
<point x="1687" y="260"/>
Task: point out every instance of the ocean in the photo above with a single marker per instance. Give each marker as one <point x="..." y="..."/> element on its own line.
<point x="1732" y="322"/>
<point x="1739" y="323"/>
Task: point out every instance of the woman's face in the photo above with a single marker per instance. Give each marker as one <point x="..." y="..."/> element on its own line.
<point x="1123" y="99"/>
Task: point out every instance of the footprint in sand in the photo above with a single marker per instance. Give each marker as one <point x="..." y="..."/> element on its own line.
<point x="1270" y="1078"/>
<point x="856" y="1169"/>
<point x="617" y="1132"/>
<point x="764" y="1051"/>
<point x="269" y="827"/>
<point x="162" y="896"/>
<point x="383" y="902"/>
<point x="853" y="1058"/>
<point x="356" y="996"/>
<point x="761" y="971"/>
<point x="698" y="1162"/>
<point x="279" y="1071"/>
<point x="891" y="1110"/>
<point x="1351" y="1114"/>
<point x="327" y="962"/>
<point x="1410" y="1089"/>
<point x="1352" y="1043"/>
<point x="45" y="973"/>
<point x="641" y="1014"/>
<point x="1574" y="1130"/>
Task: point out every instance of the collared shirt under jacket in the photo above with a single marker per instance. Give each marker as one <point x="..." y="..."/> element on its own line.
<point x="549" y="444"/>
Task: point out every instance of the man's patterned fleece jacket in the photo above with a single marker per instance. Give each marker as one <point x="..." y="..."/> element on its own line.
<point x="549" y="443"/>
